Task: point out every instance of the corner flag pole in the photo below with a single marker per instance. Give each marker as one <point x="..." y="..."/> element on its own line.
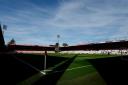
<point x="45" y="60"/>
<point x="44" y="70"/>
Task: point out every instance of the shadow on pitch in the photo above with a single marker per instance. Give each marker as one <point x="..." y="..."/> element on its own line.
<point x="13" y="70"/>
<point x="38" y="60"/>
<point x="113" y="70"/>
<point x="53" y="77"/>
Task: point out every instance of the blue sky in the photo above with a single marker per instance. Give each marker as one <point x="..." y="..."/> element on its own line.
<point x="38" y="22"/>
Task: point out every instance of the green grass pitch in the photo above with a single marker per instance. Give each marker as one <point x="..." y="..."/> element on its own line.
<point x="78" y="72"/>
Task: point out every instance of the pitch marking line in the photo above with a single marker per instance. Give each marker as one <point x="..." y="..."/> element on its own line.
<point x="26" y="63"/>
<point x="78" y="67"/>
<point x="73" y="68"/>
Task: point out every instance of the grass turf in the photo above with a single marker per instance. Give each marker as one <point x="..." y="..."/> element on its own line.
<point x="79" y="72"/>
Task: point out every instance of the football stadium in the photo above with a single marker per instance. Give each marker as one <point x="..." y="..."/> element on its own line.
<point x="63" y="42"/>
<point x="90" y="64"/>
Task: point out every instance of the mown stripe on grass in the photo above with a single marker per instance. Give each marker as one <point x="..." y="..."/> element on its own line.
<point x="60" y="63"/>
<point x="36" y="77"/>
<point x="90" y="79"/>
<point x="73" y="68"/>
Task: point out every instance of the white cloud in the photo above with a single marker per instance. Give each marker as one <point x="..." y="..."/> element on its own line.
<point x="77" y="15"/>
<point x="73" y="19"/>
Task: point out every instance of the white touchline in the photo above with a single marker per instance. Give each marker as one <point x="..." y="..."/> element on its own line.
<point x="42" y="72"/>
<point x="73" y="68"/>
<point x="78" y="67"/>
<point x="27" y="64"/>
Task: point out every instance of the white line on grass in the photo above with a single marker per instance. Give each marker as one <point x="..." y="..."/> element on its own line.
<point x="73" y="68"/>
<point x="22" y="61"/>
<point x="78" y="67"/>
